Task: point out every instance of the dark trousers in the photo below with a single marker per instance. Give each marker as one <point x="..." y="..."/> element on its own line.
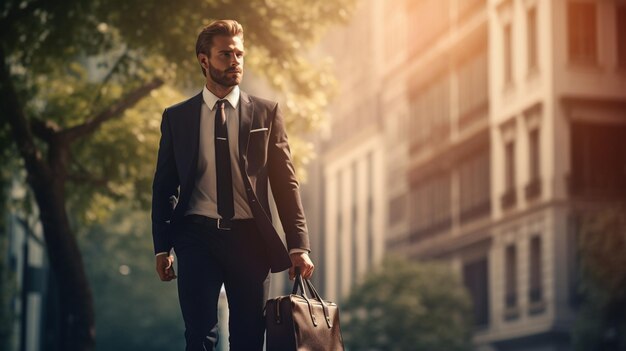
<point x="208" y="258"/>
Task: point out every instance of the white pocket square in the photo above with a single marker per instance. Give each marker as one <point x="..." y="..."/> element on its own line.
<point x="258" y="130"/>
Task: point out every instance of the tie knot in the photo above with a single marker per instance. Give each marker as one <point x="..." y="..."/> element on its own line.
<point x="221" y="103"/>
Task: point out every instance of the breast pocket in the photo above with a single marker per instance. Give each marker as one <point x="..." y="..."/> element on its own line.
<point x="257" y="149"/>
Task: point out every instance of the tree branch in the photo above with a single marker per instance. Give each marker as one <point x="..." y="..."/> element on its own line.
<point x="30" y="232"/>
<point x="113" y="111"/>
<point x="44" y="129"/>
<point x="83" y="176"/>
<point x="108" y="77"/>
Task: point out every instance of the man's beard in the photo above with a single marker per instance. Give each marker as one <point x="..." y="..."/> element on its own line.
<point x="223" y="77"/>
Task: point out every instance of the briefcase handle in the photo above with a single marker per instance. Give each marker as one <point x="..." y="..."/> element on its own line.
<point x="301" y="283"/>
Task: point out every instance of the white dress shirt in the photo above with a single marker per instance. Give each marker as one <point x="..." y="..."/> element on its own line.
<point x="203" y="199"/>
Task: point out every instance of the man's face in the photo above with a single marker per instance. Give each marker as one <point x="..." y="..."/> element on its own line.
<point x="226" y="61"/>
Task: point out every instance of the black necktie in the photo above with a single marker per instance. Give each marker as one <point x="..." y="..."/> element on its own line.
<point x="225" y="205"/>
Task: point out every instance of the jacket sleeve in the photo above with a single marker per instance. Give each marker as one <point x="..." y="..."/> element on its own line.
<point x="164" y="187"/>
<point x="285" y="187"/>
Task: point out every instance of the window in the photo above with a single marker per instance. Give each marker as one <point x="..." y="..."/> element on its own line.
<point x="533" y="188"/>
<point x="509" y="164"/>
<point x="598" y="158"/>
<point x="397" y="209"/>
<point x="431" y="206"/>
<point x="475" y="186"/>
<point x="370" y="209"/>
<point x="621" y="35"/>
<point x="338" y="234"/>
<point x="509" y="198"/>
<point x="354" y="219"/>
<point x="582" y="32"/>
<point x="535" y="292"/>
<point x="533" y="144"/>
<point x="510" y="277"/>
<point x="430" y="112"/>
<point x="508" y="55"/>
<point x="531" y="22"/>
<point x="476" y="280"/>
<point x="473" y="96"/>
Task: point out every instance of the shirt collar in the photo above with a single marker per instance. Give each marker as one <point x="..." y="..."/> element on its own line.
<point x="210" y="99"/>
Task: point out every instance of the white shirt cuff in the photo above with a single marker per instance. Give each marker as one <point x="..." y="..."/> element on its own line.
<point x="298" y="251"/>
<point x="161" y="253"/>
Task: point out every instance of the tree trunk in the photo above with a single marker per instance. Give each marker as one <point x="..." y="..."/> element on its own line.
<point x="77" y="325"/>
<point x="47" y="180"/>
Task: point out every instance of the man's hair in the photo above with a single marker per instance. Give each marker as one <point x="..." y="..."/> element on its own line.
<point x="220" y="27"/>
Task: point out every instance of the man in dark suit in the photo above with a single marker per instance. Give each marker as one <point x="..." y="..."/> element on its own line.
<point x="218" y="150"/>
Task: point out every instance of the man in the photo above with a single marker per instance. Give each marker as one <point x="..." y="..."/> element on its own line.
<point x="210" y="198"/>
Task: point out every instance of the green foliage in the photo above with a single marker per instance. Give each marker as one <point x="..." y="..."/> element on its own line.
<point x="408" y="306"/>
<point x="70" y="60"/>
<point x="118" y="161"/>
<point x="134" y="309"/>
<point x="601" y="323"/>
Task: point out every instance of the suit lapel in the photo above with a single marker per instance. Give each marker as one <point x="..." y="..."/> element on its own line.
<point x="193" y="114"/>
<point x="246" y="113"/>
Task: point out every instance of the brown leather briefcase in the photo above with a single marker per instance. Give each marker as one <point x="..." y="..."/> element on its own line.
<point x="299" y="322"/>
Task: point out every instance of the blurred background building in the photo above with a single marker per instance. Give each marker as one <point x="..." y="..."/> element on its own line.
<point x="34" y="286"/>
<point x="474" y="132"/>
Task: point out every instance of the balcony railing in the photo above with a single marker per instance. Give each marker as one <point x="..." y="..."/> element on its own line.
<point x="511" y="309"/>
<point x="477" y="211"/>
<point x="536" y="303"/>
<point x="533" y="189"/>
<point x="508" y="199"/>
<point x="431" y="230"/>
<point x="480" y="112"/>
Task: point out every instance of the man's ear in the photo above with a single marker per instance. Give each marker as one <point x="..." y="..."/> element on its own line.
<point x="203" y="59"/>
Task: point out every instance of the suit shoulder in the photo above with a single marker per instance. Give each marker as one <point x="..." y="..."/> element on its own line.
<point x="183" y="105"/>
<point x="265" y="103"/>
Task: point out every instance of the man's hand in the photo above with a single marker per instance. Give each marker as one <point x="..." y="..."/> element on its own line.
<point x="302" y="260"/>
<point x="164" y="267"/>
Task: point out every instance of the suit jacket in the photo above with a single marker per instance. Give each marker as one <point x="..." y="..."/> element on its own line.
<point x="263" y="155"/>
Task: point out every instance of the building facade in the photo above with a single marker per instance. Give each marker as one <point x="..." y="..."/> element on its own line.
<point x="349" y="173"/>
<point x="485" y="128"/>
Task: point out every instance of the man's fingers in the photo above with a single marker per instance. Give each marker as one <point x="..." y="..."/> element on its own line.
<point x="165" y="269"/>
<point x="292" y="273"/>
<point x="171" y="273"/>
<point x="308" y="272"/>
<point x="163" y="273"/>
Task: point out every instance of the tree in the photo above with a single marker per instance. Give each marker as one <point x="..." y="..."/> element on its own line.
<point x="408" y="306"/>
<point x="73" y="73"/>
<point x="601" y="323"/>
